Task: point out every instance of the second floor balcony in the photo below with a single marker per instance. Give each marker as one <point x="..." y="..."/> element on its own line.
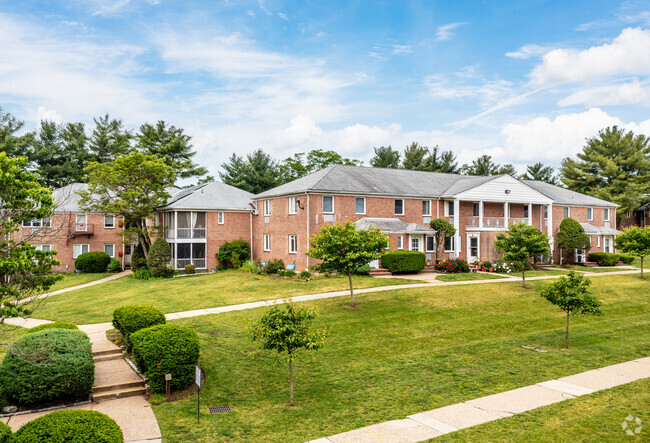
<point x="185" y="233"/>
<point x="494" y="222"/>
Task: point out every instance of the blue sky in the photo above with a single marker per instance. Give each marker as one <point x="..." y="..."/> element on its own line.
<point x="521" y="81"/>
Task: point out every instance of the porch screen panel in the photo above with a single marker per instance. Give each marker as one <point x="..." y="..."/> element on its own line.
<point x="199" y="220"/>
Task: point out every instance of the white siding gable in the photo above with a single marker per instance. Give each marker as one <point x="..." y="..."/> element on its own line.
<point x="495" y="191"/>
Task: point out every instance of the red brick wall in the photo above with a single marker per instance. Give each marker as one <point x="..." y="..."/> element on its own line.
<point x="235" y="225"/>
<point x="580" y="215"/>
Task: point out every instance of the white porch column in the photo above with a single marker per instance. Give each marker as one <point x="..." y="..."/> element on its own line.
<point x="457" y="227"/>
<point x="530" y="214"/>
<point x="506" y="213"/>
<point x="175" y="239"/>
<point x="549" y="228"/>
<point x="480" y="214"/>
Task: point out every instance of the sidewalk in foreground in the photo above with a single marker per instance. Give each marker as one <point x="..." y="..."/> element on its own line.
<point x="434" y="423"/>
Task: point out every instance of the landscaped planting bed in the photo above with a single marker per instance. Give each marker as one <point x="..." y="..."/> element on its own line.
<point x="402" y="352"/>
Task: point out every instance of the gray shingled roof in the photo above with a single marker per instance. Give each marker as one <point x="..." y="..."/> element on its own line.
<point x="210" y="196"/>
<point x="67" y="199"/>
<point x="598" y="230"/>
<point x="392" y="225"/>
<point x="563" y="196"/>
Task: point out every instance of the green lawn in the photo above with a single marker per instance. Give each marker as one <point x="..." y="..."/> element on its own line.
<point x="96" y="304"/>
<point x="73" y="279"/>
<point x="466" y="276"/>
<point x="538" y="273"/>
<point x="400" y="353"/>
<point x="595" y="417"/>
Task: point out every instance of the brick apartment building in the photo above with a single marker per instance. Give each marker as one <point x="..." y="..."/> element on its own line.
<point x="279" y="222"/>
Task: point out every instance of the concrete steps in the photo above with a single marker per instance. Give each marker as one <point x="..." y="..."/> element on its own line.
<point x="380" y="271"/>
<point x="109" y="354"/>
<point x="114" y="378"/>
<point x="118" y="393"/>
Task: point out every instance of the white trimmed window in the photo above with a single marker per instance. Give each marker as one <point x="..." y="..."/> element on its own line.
<point x="360" y="205"/>
<point x="606" y="214"/>
<point x="431" y="244"/>
<point x="293" y="205"/>
<point x="598" y="241"/>
<point x="37" y="223"/>
<point x="608" y="243"/>
<point x="399" y="206"/>
<point x="109" y="221"/>
<point x="567" y="212"/>
<point x="449" y="209"/>
<point x="328" y="204"/>
<point x="476" y="209"/>
<point x="590" y="214"/>
<point x="77" y="250"/>
<point x="220" y="218"/>
<point x="449" y="244"/>
<point x="267" y="242"/>
<point x="44" y="248"/>
<point x="293" y="244"/>
<point x="400" y="242"/>
<point x="426" y="207"/>
<point x="267" y="207"/>
<point x="525" y="211"/>
<point x="110" y="250"/>
<point x="545" y="212"/>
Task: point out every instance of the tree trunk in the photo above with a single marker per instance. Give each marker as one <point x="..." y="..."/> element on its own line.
<point x="523" y="275"/>
<point x="566" y="334"/>
<point x="290" y="384"/>
<point x="351" y="290"/>
<point x="641" y="267"/>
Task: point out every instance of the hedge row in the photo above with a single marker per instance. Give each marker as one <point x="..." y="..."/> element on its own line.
<point x="130" y="319"/>
<point x="92" y="262"/>
<point x="404" y="261"/>
<point x="54" y="325"/>
<point x="5" y="432"/>
<point x="166" y="349"/>
<point x="604" y="258"/>
<point x="71" y="426"/>
<point x="48" y="365"/>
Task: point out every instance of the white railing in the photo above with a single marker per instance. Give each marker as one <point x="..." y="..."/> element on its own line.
<point x="199" y="263"/>
<point x="185" y="233"/>
<point x="494" y="222"/>
<point x="512" y="221"/>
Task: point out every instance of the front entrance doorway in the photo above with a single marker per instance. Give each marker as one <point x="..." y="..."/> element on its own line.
<point x="473" y="250"/>
<point x="417" y="243"/>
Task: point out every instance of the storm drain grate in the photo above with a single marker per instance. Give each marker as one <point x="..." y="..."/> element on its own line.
<point x="219" y="409"/>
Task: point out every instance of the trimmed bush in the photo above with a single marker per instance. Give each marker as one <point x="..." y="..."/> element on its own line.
<point x="190" y="269"/>
<point x="142" y="274"/>
<point x="274" y="265"/>
<point x="5" y="432"/>
<point x="92" y="262"/>
<point x="233" y="254"/>
<point x="604" y="258"/>
<point x="166" y="349"/>
<point x="287" y="273"/>
<point x="71" y="426"/>
<point x="160" y="255"/>
<point x="404" y="261"/>
<point x="138" y="259"/>
<point x="114" y="266"/>
<point x="55" y="325"/>
<point x="305" y="275"/>
<point x="49" y="365"/>
<point x="130" y="319"/>
<point x="627" y="259"/>
<point x="363" y="270"/>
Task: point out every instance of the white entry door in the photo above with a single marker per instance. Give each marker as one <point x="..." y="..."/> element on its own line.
<point x="473" y="250"/>
<point x="417" y="243"/>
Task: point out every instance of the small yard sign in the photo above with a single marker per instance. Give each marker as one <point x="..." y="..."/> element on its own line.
<point x="197" y="378"/>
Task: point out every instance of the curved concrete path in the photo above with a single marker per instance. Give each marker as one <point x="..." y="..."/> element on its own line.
<point x="430" y="424"/>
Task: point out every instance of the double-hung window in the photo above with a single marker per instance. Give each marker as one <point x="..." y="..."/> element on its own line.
<point x="449" y="209"/>
<point x="359" y="205"/>
<point x="110" y="250"/>
<point x="426" y="207"/>
<point x="220" y="218"/>
<point x="449" y="244"/>
<point x="525" y="211"/>
<point x="590" y="214"/>
<point x="267" y="242"/>
<point x="606" y="214"/>
<point x="399" y="206"/>
<point x="267" y="207"/>
<point x="567" y="212"/>
<point x="476" y="209"/>
<point x="400" y="242"/>
<point x="293" y="205"/>
<point x="43" y="248"/>
<point x="77" y="250"/>
<point x="293" y="244"/>
<point x="431" y="244"/>
<point x="109" y="221"/>
<point x="328" y="204"/>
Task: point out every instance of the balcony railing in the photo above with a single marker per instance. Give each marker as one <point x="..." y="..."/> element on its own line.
<point x="199" y="263"/>
<point x="83" y="228"/>
<point x="187" y="233"/>
<point x="493" y="222"/>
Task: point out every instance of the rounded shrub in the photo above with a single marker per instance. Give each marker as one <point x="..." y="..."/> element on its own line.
<point x="363" y="270"/>
<point x="166" y="349"/>
<point x="160" y="255"/>
<point x="604" y="258"/>
<point x="130" y="319"/>
<point x="627" y="259"/>
<point x="233" y="254"/>
<point x="274" y="265"/>
<point x="54" y="325"/>
<point x="92" y="262"/>
<point x="70" y="426"/>
<point x="138" y="259"/>
<point x="190" y="269"/>
<point x="49" y="365"/>
<point x="5" y="433"/>
<point x="114" y="266"/>
<point x="305" y="275"/>
<point x="404" y="261"/>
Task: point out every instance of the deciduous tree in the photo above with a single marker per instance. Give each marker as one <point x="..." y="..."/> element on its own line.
<point x="635" y="241"/>
<point x="520" y="243"/>
<point x="571" y="294"/>
<point x="11" y="143"/>
<point x="344" y="248"/>
<point x="131" y="186"/>
<point x="286" y="329"/>
<point x="443" y="229"/>
<point x="302" y="164"/>
<point x="613" y="166"/>
<point x="572" y="238"/>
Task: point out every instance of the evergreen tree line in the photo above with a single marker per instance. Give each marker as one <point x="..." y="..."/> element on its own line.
<point x="59" y="153"/>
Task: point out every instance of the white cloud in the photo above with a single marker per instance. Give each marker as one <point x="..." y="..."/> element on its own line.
<point x="262" y="6"/>
<point x="48" y="115"/>
<point x="401" y="49"/>
<point x="283" y="16"/>
<point x="546" y="140"/>
<point x="628" y="54"/>
<point x="630" y="93"/>
<point x="528" y="51"/>
<point x="446" y="32"/>
<point x="440" y="86"/>
<point x="110" y="7"/>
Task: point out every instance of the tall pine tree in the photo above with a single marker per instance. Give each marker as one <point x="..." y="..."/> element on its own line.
<point x="256" y="173"/>
<point x="109" y="139"/>
<point x="385" y="157"/>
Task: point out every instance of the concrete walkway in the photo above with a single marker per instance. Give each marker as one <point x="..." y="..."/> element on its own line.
<point x="133" y="414"/>
<point x="434" y="423"/>
<point x="85" y="285"/>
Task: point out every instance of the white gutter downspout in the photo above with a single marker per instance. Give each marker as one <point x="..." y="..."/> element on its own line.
<point x="308" y="226"/>
<point x="251" y="226"/>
